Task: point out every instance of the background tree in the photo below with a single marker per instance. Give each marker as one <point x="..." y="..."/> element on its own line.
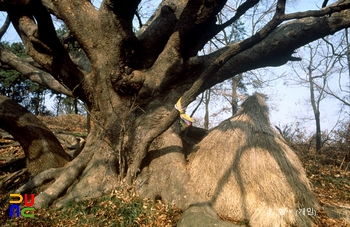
<point x="67" y="105"/>
<point x="14" y="85"/>
<point x="216" y="98"/>
<point x="227" y="95"/>
<point x="322" y="62"/>
<point x="134" y="80"/>
<point x="339" y="48"/>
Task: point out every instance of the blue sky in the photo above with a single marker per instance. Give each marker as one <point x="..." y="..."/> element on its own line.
<point x="290" y="104"/>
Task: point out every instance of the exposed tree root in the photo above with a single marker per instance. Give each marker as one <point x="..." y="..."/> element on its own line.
<point x="64" y="177"/>
<point x="41" y="148"/>
<point x="13" y="164"/>
<point x="9" y="180"/>
<point x="134" y="168"/>
<point x="99" y="178"/>
<point x="40" y="179"/>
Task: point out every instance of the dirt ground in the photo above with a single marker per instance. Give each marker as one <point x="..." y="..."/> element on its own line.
<point x="329" y="172"/>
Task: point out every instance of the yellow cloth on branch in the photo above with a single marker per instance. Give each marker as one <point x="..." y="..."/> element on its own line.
<point x="182" y="110"/>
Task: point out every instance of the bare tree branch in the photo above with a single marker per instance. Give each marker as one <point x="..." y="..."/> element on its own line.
<point x="81" y="18"/>
<point x="195" y="25"/>
<point x="233" y="50"/>
<point x="336" y="7"/>
<point x="175" y="6"/>
<point x="324" y="4"/>
<point x="32" y="72"/>
<point x="42" y="43"/>
<point x="157" y="34"/>
<point x="139" y="19"/>
<point x="51" y="8"/>
<point x="241" y="10"/>
<point x="5" y="26"/>
<point x="300" y="32"/>
<point x="328" y="91"/>
<point x="4" y="5"/>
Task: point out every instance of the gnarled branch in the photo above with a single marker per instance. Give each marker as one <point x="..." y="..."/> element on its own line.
<point x="31" y="72"/>
<point x="43" y="45"/>
<point x="41" y="147"/>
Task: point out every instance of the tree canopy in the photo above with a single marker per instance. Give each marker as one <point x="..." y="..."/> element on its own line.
<point x="177" y="30"/>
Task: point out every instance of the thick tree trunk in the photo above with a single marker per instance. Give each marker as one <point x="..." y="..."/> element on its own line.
<point x="163" y="171"/>
<point x="99" y="174"/>
<point x="103" y="163"/>
<point x="121" y="131"/>
<point x="318" y="132"/>
<point x="234" y="86"/>
<point x="91" y="174"/>
<point x="41" y="147"/>
<point x="206" y="102"/>
<point x="315" y="103"/>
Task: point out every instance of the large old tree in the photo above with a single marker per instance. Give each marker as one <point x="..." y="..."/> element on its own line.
<point x="134" y="80"/>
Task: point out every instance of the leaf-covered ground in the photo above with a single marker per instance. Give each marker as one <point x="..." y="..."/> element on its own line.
<point x="121" y="208"/>
<point x="329" y="174"/>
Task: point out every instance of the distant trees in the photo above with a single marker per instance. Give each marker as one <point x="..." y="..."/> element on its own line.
<point x="223" y="96"/>
<point x="32" y="95"/>
<point x="67" y="105"/>
<point x="222" y="100"/>
<point x="340" y="50"/>
<point x="323" y="63"/>
<point x="19" y="88"/>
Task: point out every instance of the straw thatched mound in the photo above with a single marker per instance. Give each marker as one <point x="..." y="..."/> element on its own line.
<point x="247" y="171"/>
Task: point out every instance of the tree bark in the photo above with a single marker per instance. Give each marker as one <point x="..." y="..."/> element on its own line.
<point x="318" y="133"/>
<point x="206" y="103"/>
<point x="234" y="86"/>
<point x="316" y="111"/>
<point x="315" y="103"/>
<point x="41" y="148"/>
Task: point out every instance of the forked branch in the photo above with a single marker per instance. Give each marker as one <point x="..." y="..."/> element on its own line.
<point x="39" y="36"/>
<point x="233" y="50"/>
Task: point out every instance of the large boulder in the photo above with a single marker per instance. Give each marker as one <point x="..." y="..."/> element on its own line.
<point x="201" y="215"/>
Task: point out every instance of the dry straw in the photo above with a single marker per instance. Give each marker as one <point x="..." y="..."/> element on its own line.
<point x="246" y="170"/>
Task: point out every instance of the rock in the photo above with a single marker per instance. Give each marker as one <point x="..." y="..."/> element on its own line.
<point x="68" y="140"/>
<point x="71" y="144"/>
<point x="201" y="215"/>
